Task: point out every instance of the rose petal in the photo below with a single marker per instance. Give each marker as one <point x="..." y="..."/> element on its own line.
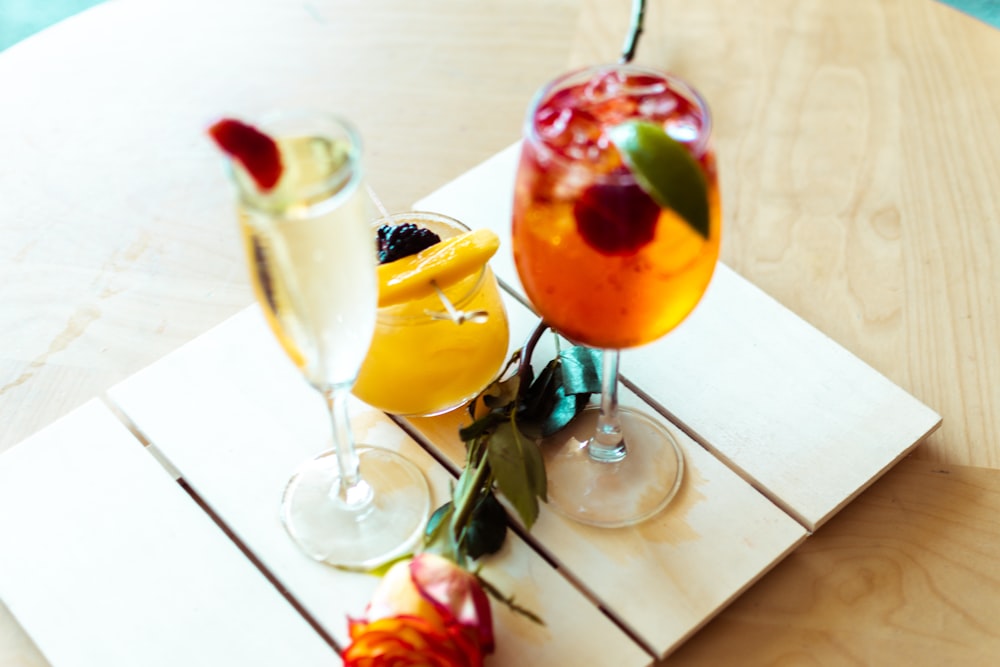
<point x="408" y="641"/>
<point x="455" y="594"/>
<point x="397" y="594"/>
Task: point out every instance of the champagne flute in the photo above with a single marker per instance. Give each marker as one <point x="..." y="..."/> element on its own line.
<point x="606" y="266"/>
<point x="311" y="253"/>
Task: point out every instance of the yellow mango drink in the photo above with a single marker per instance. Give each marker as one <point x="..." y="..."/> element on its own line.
<point x="423" y="359"/>
<point x="600" y="260"/>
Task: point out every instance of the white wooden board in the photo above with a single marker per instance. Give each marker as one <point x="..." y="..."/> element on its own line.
<point x="668" y="576"/>
<point x="107" y="562"/>
<point x="784" y="425"/>
<point x="798" y="416"/>
<point x="235" y="418"/>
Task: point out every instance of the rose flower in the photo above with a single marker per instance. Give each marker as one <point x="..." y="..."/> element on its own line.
<point x="426" y="611"/>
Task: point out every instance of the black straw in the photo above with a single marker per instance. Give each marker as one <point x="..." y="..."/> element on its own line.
<point x="635" y="31"/>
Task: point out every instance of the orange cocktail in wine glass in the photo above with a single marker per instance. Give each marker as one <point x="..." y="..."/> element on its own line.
<point x="609" y="266"/>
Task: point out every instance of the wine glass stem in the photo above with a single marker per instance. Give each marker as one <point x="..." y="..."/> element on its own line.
<point x="351" y="489"/>
<point x="607" y="444"/>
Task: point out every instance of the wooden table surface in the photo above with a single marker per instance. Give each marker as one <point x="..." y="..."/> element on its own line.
<point x="858" y="143"/>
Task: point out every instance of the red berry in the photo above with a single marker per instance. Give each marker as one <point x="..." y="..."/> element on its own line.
<point x="616" y="219"/>
<point x="253" y="149"/>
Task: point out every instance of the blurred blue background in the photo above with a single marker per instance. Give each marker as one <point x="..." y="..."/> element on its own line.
<point x="986" y="10"/>
<point x="23" y="18"/>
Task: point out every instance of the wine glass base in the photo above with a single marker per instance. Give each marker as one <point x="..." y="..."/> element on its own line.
<point x="615" y="494"/>
<point x="386" y="527"/>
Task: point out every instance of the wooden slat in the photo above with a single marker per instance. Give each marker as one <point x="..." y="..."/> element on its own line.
<point x="797" y="415"/>
<point x="784" y="405"/>
<point x="107" y="561"/>
<point x="668" y="576"/>
<point x="235" y="418"/>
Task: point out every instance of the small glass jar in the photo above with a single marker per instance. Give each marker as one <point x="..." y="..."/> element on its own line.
<point x="424" y="360"/>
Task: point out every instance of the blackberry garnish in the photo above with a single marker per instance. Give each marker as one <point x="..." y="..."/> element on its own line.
<point x="396" y="242"/>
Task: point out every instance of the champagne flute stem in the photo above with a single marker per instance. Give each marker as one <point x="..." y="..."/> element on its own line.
<point x="607" y="444"/>
<point x="351" y="490"/>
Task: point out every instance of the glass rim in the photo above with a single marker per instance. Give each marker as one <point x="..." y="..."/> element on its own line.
<point x="387" y="314"/>
<point x="530" y="129"/>
<point x="336" y="185"/>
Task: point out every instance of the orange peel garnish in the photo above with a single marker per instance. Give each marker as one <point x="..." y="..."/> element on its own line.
<point x="441" y="264"/>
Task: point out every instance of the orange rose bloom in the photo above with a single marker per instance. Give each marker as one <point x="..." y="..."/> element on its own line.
<point x="426" y="611"/>
<point x="410" y="641"/>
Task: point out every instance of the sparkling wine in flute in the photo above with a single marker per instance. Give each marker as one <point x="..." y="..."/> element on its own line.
<point x="310" y="249"/>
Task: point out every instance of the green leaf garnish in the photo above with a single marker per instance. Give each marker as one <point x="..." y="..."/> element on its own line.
<point x="665" y="170"/>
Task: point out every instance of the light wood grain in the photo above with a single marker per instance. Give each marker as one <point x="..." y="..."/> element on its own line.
<point x="236" y="418"/>
<point x="895" y="578"/>
<point x="120" y="244"/>
<point x="858" y="154"/>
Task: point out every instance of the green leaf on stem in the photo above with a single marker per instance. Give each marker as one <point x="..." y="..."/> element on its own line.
<point x="481" y="426"/>
<point x="503" y="393"/>
<point x="581" y="370"/>
<point x="438" y="520"/>
<point x="541" y="399"/>
<point x="488" y="528"/>
<point x="519" y="470"/>
<point x="564" y="409"/>
<point x="437" y="536"/>
<point x="502" y="448"/>
<point x="560" y="392"/>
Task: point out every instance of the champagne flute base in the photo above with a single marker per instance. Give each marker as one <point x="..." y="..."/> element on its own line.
<point x="612" y="494"/>
<point x="363" y="536"/>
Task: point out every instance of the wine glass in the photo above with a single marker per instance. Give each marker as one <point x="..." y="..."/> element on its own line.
<point x="311" y="253"/>
<point x="607" y="267"/>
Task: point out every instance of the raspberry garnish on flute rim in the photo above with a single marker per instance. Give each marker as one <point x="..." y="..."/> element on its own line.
<point x="252" y="149"/>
